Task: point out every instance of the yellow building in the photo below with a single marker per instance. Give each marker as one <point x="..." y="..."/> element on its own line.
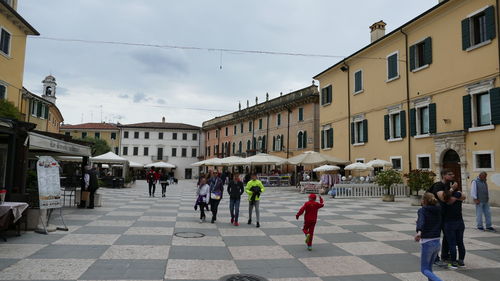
<point x="424" y="96"/>
<point x="105" y="131"/>
<point x="13" y="34"/>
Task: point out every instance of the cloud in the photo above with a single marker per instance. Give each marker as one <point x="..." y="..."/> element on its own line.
<point x="161" y="101"/>
<point x="123" y="96"/>
<point x="140" y="97"/>
<point x="61" y="91"/>
<point x="159" y="62"/>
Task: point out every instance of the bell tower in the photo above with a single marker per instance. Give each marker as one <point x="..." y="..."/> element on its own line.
<point x="49" y="88"/>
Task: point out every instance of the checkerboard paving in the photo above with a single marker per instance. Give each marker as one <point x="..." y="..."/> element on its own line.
<point x="132" y="237"/>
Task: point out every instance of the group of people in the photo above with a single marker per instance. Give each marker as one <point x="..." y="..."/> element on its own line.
<point x="441" y="212"/>
<point x="210" y="192"/>
<point x="163" y="177"/>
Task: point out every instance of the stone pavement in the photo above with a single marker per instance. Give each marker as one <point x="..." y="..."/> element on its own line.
<point x="132" y="238"/>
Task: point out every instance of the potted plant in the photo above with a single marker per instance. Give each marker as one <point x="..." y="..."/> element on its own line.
<point x="418" y="180"/>
<point x="387" y="179"/>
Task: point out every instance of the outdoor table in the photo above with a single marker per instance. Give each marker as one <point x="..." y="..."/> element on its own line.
<point x="11" y="213"/>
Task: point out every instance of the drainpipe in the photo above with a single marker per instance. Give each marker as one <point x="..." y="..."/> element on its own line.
<point x="498" y="30"/>
<point x="408" y="134"/>
<point x="218" y="141"/>
<point x="267" y="132"/>
<point x="348" y="108"/>
<point x="288" y="134"/>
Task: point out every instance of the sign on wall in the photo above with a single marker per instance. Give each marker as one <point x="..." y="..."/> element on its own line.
<point x="49" y="185"/>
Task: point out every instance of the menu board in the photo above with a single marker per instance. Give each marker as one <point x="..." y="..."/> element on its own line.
<point x="49" y="185"/>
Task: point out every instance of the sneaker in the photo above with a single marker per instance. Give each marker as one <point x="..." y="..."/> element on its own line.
<point x="250" y="221"/>
<point x="461" y="263"/>
<point x="309" y="248"/>
<point x="308" y="237"/>
<point x="201" y="220"/>
<point x="453" y="265"/>
<point x="236" y="223"/>
<point x="480" y="228"/>
<point x="440" y="263"/>
<point x="232" y="220"/>
<point x="257" y="225"/>
<point x="491" y="229"/>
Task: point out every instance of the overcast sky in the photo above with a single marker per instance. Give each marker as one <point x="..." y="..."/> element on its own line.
<point x="142" y="84"/>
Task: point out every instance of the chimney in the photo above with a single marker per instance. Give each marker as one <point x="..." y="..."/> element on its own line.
<point x="163" y="119"/>
<point x="377" y="30"/>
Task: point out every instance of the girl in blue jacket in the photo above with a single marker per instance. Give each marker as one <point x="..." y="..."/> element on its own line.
<point x="429" y="234"/>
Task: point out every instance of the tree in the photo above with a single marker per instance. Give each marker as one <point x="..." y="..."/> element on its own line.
<point x="9" y="110"/>
<point x="98" y="146"/>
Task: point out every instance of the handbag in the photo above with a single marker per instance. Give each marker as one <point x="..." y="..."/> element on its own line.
<point x="85" y="195"/>
<point x="215" y="195"/>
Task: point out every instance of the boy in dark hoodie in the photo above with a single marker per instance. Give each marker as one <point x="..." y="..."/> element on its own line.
<point x="235" y="188"/>
<point x="311" y="208"/>
<point x="429" y="234"/>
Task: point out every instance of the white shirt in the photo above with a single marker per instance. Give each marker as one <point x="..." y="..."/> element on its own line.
<point x="205" y="191"/>
<point x="86" y="178"/>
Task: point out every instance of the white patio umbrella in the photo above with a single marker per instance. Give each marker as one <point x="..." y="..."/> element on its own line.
<point x="160" y="165"/>
<point x="315" y="158"/>
<point x="261" y="159"/>
<point x="231" y="160"/>
<point x="358" y="167"/>
<point x="379" y="163"/>
<point x="326" y="168"/>
<point x="208" y="162"/>
<point x="135" y="165"/>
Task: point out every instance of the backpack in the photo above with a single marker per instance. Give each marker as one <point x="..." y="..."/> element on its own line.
<point x="255" y="192"/>
<point x="151" y="177"/>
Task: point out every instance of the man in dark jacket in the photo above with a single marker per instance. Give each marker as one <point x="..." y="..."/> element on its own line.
<point x="235" y="188"/>
<point x="91" y="186"/>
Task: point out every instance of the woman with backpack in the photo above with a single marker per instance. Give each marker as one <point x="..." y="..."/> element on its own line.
<point x="254" y="189"/>
<point x="164" y="183"/>
<point x="152" y="177"/>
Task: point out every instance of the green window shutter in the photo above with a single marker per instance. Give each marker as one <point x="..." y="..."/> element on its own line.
<point x="329" y="95"/>
<point x="46" y="112"/>
<point x="490" y="22"/>
<point x="387" y="134"/>
<point x="365" y="130"/>
<point x="495" y="105"/>
<point x="428" y="50"/>
<point x="39" y="110"/>
<point x="402" y="119"/>
<point x="330" y="137"/>
<point x="412" y="57"/>
<point x="352" y="133"/>
<point x="392" y="66"/>
<point x="466" y="102"/>
<point x="304" y="140"/>
<point x="413" y="122"/>
<point x="357" y="81"/>
<point x="432" y="118"/>
<point x="3" y="89"/>
<point x="322" y="139"/>
<point x="465" y="33"/>
<point x="282" y="142"/>
<point x="323" y="96"/>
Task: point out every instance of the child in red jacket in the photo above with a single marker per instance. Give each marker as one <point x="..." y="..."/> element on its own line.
<point x="311" y="208"/>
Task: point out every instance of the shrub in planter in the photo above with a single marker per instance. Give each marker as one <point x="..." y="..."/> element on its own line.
<point x="387" y="179"/>
<point x="419" y="180"/>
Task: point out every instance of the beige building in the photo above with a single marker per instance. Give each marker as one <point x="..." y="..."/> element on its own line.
<point x="284" y="126"/>
<point x="105" y="131"/>
<point x="424" y="96"/>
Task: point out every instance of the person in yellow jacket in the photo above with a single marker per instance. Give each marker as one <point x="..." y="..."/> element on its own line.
<point x="254" y="189"/>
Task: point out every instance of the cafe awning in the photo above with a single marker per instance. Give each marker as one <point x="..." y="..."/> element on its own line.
<point x="39" y="143"/>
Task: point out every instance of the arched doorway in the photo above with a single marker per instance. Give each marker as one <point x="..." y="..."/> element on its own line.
<point x="451" y="161"/>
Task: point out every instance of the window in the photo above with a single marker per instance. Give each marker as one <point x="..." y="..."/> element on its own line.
<point x="217" y="133"/>
<point x="227" y="131"/>
<point x="260" y="124"/>
<point x="392" y="66"/>
<point x="125" y="134"/>
<point x="208" y="150"/>
<point x="113" y="136"/>
<point x="160" y="136"/>
<point x="481" y="106"/>
<point x="195" y="137"/>
<point x="249" y="145"/>
<point x="136" y="151"/>
<point x="397" y="163"/>
<point x="159" y="154"/>
<point x="208" y="135"/>
<point x="116" y="150"/>
<point x="359" y="131"/>
<point x="3" y="91"/>
<point x="67" y="134"/>
<point x="194" y="152"/>
<point x="424" y="161"/>
<point x="241" y="128"/>
<point x="174" y="136"/>
<point x="483" y="160"/>
<point x="421" y="54"/>
<point x="278" y="143"/>
<point x="423" y="119"/>
<point x="326" y="95"/>
<point x="146" y="135"/>
<point x="125" y="150"/>
<point x="5" y="41"/>
<point x="250" y="126"/>
<point x="478" y="29"/>
<point x="301" y="114"/>
<point x="235" y="130"/>
<point x="358" y="81"/>
<point x="395" y="125"/>
<point x="146" y="151"/>
<point x="302" y="140"/>
<point x="483" y="109"/>
<point x="174" y="152"/>
<point x="97" y="135"/>
<point x="360" y="160"/>
<point x="278" y="119"/>
<point x="184" y="136"/>
<point x="240" y="147"/>
<point x="327" y="137"/>
<point x="136" y="135"/>
<point x="184" y="152"/>
<point x="84" y="135"/>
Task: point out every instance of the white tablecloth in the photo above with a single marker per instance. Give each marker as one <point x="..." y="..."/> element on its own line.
<point x="16" y="207"/>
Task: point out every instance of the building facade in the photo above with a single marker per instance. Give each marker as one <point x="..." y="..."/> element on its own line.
<point x="150" y="142"/>
<point x="106" y="131"/>
<point x="424" y="96"/>
<point x="14" y="30"/>
<point x="284" y="126"/>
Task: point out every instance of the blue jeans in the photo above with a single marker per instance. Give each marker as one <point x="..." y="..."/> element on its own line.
<point x="483" y="208"/>
<point x="454" y="231"/>
<point x="234" y="208"/>
<point x="428" y="255"/>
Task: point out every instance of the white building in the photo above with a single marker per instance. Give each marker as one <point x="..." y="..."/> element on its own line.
<point x="175" y="143"/>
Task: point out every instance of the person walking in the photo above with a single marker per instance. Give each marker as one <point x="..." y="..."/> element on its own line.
<point x="216" y="192"/>
<point x="91" y="185"/>
<point x="310" y="208"/>
<point x="479" y="193"/>
<point x="454" y="227"/>
<point x="203" y="197"/>
<point x="254" y="189"/>
<point x="164" y="183"/>
<point x="428" y="234"/>
<point x="235" y="188"/>
<point x="152" y="177"/>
